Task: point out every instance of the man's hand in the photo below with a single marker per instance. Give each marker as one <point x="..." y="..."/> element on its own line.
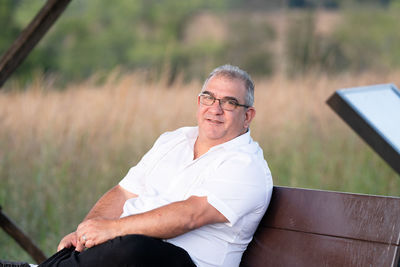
<point x="93" y="232"/>
<point x="89" y="233"/>
<point x="69" y="240"/>
<point x="108" y="206"/>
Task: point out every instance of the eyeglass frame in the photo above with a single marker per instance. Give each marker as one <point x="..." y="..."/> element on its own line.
<point x="224" y="99"/>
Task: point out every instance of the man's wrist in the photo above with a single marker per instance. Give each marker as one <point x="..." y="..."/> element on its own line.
<point x="118" y="229"/>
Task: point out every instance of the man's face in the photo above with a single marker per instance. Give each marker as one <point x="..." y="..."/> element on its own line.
<point x="217" y="125"/>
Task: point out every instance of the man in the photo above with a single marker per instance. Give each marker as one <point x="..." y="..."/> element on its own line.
<point x="195" y="199"/>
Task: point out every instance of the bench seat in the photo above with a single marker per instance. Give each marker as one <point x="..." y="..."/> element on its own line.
<point x="304" y="227"/>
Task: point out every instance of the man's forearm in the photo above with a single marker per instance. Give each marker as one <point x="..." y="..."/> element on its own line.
<point x="165" y="222"/>
<point x="171" y="220"/>
<point x="110" y="205"/>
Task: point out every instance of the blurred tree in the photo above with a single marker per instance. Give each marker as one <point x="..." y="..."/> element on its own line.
<point x="370" y="38"/>
<point x="10" y="28"/>
<point x="249" y="43"/>
<point x="314" y="3"/>
<point x="308" y="50"/>
<point x="14" y="17"/>
<point x="93" y="36"/>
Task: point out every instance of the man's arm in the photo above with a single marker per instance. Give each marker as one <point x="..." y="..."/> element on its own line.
<point x="165" y="222"/>
<point x="109" y="206"/>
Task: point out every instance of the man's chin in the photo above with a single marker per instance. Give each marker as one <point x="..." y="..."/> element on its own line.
<point x="216" y="136"/>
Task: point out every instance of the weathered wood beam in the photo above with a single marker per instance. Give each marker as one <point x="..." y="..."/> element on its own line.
<point x="21" y="238"/>
<point x="29" y="37"/>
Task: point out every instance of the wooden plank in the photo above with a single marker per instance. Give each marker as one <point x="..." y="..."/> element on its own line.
<point x="365" y="131"/>
<point x="29" y="37"/>
<point x="21" y="238"/>
<point x="363" y="217"/>
<point x="276" y="247"/>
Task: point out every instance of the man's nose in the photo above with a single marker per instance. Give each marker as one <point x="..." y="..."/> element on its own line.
<point x="216" y="106"/>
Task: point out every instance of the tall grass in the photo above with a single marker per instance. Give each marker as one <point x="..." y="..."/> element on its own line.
<point x="61" y="150"/>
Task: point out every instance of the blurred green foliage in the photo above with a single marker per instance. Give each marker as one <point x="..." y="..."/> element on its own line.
<point x="7" y="20"/>
<point x="371" y="38"/>
<point x="95" y="37"/>
<point x="249" y="44"/>
<point x="365" y="39"/>
<point x="309" y="51"/>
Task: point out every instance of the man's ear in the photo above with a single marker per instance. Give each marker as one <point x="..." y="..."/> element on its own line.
<point x="250" y="114"/>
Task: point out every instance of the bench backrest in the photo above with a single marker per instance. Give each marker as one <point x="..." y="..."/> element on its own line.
<point x="305" y="227"/>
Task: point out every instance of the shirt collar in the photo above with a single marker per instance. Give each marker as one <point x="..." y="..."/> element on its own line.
<point x="243" y="139"/>
<point x="191" y="134"/>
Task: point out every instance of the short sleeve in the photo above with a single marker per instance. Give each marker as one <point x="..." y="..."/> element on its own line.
<point x="134" y="181"/>
<point x="237" y="186"/>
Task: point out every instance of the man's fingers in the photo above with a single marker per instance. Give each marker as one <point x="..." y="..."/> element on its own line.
<point x="60" y="247"/>
<point x="64" y="244"/>
<point x="68" y="241"/>
<point x="79" y="246"/>
<point x="89" y="244"/>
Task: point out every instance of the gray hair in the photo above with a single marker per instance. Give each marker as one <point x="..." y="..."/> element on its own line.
<point x="234" y="72"/>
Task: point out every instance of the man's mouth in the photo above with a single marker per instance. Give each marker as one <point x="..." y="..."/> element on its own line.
<point x="214" y="121"/>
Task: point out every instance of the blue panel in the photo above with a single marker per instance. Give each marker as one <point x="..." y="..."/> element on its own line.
<point x="379" y="106"/>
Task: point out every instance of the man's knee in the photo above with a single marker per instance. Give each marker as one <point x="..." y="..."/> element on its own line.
<point x="120" y="251"/>
<point x="134" y="245"/>
<point x="135" y="248"/>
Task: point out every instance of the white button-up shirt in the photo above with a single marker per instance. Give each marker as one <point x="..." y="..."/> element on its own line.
<point x="234" y="176"/>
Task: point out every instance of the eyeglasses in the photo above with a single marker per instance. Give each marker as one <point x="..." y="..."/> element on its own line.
<point x="226" y="103"/>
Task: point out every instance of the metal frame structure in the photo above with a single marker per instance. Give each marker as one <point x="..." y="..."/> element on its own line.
<point x="364" y="127"/>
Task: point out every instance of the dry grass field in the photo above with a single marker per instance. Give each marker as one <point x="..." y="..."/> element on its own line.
<point x="60" y="150"/>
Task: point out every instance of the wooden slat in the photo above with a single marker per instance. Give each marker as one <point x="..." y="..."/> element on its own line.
<point x="21" y="238"/>
<point x="29" y="37"/>
<point x="275" y="247"/>
<point x="363" y="217"/>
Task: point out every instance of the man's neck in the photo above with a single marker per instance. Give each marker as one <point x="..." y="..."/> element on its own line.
<point x="199" y="149"/>
<point x="201" y="146"/>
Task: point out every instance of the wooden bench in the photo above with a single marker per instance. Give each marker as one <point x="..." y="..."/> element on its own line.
<point x="305" y="227"/>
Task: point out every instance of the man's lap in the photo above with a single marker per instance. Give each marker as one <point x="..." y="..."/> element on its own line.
<point x="130" y="250"/>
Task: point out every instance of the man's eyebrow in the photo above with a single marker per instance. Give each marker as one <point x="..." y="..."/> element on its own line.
<point x="230" y="98"/>
<point x="225" y="97"/>
<point x="208" y="93"/>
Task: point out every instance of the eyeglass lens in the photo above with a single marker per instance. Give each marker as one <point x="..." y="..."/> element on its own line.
<point x="225" y="103"/>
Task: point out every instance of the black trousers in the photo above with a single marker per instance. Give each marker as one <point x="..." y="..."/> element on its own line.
<point x="130" y="250"/>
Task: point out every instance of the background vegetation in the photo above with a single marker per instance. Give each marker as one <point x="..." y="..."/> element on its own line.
<point x="264" y="37"/>
<point x="111" y="76"/>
